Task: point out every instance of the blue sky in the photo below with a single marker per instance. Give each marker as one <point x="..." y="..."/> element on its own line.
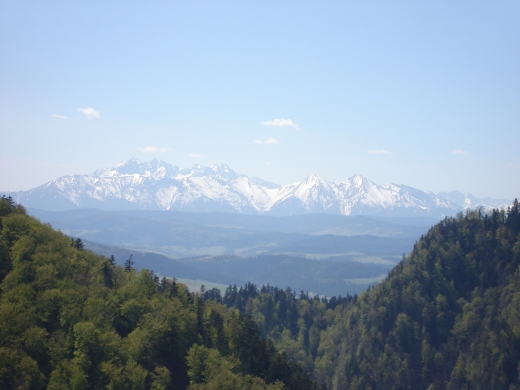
<point x="419" y="93"/>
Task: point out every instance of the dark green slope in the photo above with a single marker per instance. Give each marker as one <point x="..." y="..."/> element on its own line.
<point x="446" y="317"/>
<point x="70" y="319"/>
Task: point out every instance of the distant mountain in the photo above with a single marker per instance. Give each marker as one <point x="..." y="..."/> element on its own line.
<point x="468" y="201"/>
<point x="157" y="185"/>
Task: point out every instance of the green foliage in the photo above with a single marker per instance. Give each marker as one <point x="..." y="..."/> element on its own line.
<point x="209" y="370"/>
<point x="441" y="319"/>
<point x="70" y="319"/>
<point x="293" y="324"/>
<point x="447" y="316"/>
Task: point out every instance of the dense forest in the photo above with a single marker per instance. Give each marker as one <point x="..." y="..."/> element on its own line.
<point x="70" y="319"/>
<point x="447" y="317"/>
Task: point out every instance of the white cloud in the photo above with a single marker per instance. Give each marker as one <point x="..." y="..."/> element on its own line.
<point x="195" y="155"/>
<point x="460" y="151"/>
<point x="282" y="123"/>
<point x="379" y="151"/>
<point x="270" y="141"/>
<point x="59" y="116"/>
<point x="154" y="149"/>
<point x="90" y="113"/>
<point x="268" y="163"/>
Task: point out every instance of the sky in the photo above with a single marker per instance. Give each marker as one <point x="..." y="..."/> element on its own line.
<point x="420" y="93"/>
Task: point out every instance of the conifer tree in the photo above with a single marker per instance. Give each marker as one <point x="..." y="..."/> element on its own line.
<point x="129" y="263"/>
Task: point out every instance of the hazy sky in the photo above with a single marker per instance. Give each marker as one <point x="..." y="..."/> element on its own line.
<point x="419" y="93"/>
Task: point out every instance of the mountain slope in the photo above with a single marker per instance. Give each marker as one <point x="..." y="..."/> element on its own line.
<point x="446" y="317"/>
<point x="157" y="185"/>
<point x="468" y="201"/>
<point x="70" y="319"/>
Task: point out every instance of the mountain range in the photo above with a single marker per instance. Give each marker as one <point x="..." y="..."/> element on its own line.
<point x="158" y="185"/>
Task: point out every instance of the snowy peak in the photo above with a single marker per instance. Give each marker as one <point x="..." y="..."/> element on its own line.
<point x="314" y="182"/>
<point x="131" y="166"/>
<point x="196" y="170"/>
<point x="220" y="172"/>
<point x="313" y="194"/>
<point x="313" y="178"/>
<point x="222" y="168"/>
<point x="156" y="184"/>
<point x="155" y="169"/>
<point x="359" y="181"/>
<point x="468" y="201"/>
<point x="223" y="172"/>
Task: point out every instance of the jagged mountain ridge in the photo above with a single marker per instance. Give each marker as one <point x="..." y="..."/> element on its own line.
<point x="158" y="185"/>
<point x="468" y="201"/>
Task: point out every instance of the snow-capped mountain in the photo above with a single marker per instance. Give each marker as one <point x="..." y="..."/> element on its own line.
<point x="468" y="201"/>
<point x="133" y="184"/>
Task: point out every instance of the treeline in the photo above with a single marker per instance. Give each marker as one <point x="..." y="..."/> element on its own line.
<point x="70" y="319"/>
<point x="293" y="322"/>
<point x="446" y="317"/>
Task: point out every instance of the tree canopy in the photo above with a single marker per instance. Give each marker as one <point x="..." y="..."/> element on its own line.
<point x="446" y="317"/>
<point x="70" y="319"/>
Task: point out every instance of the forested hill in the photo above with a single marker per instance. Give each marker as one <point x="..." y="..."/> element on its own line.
<point x="70" y="319"/>
<point x="447" y="317"/>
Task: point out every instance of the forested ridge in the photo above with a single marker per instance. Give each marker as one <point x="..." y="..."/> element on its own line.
<point x="70" y="319"/>
<point x="446" y="317"/>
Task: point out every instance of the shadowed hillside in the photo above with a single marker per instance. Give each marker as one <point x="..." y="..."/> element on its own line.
<point x="446" y="317"/>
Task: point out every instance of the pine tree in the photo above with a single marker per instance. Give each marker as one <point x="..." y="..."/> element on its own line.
<point x="129" y="263"/>
<point x="78" y="244"/>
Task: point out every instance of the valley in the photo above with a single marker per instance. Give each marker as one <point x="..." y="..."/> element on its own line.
<point x="259" y="195"/>
<point x="296" y="251"/>
<point x="215" y="225"/>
